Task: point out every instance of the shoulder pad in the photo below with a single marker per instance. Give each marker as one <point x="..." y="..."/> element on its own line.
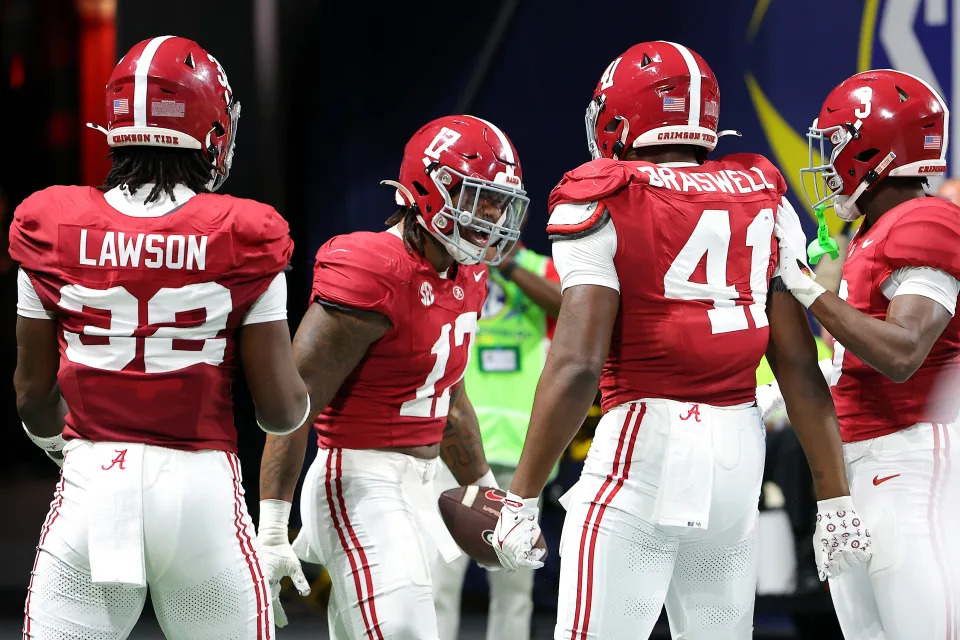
<point x="262" y="237"/>
<point x="34" y="228"/>
<point x="770" y="172"/>
<point x="593" y="181"/>
<point x="926" y="236"/>
<point x="350" y="273"/>
<point x="569" y="221"/>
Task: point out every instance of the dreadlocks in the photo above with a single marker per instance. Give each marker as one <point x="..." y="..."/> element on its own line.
<point x="414" y="235"/>
<point x="134" y="167"/>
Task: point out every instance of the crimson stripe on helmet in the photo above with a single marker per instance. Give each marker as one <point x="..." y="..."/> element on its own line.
<point x="693" y="120"/>
<point x="140" y="80"/>
<point x="505" y="143"/>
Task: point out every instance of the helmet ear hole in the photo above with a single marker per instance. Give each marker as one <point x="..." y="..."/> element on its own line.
<point x="613" y="125"/>
<point x="422" y="190"/>
<point x="866" y="155"/>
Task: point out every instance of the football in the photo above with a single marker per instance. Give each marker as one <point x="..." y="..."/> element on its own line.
<point x="471" y="514"/>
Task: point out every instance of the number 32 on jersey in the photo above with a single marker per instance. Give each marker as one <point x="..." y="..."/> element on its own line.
<point x="711" y="236"/>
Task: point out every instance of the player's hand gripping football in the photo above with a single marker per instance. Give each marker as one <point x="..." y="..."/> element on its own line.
<point x="277" y="558"/>
<point x="516" y="532"/>
<point x="841" y="539"/>
<point x="793" y="268"/>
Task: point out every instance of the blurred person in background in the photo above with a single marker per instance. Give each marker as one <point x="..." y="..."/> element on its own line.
<point x="138" y="300"/>
<point x="950" y="190"/>
<point x="513" y="334"/>
<point x="880" y="134"/>
<point x="665" y="259"/>
<point x="383" y="349"/>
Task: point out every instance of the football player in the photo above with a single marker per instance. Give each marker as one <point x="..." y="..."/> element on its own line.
<point x="897" y="356"/>
<point x="137" y="302"/>
<point x="383" y="349"/>
<point x="665" y="259"/>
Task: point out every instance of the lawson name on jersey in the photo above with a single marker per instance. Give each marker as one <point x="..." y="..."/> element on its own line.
<point x="152" y="250"/>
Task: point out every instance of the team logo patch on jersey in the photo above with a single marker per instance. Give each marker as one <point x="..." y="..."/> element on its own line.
<point x="426" y="294"/>
<point x="458" y="292"/>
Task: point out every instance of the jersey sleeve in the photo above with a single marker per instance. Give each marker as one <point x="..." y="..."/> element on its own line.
<point x="594" y="181"/>
<point x="925" y="237"/>
<point x="576" y="220"/>
<point x="28" y="302"/>
<point x="272" y="303"/>
<point x="263" y="241"/>
<point x="935" y="284"/>
<point x="588" y="259"/>
<point x="347" y="275"/>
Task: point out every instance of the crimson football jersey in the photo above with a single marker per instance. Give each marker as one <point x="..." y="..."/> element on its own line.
<point x="924" y="232"/>
<point x="695" y="254"/>
<point x="148" y="309"/>
<point x="399" y="394"/>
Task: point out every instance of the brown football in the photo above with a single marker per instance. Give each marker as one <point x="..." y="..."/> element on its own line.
<point x="471" y="514"/>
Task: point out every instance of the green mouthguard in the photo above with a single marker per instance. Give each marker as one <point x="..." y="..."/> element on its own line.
<point x="824" y="243"/>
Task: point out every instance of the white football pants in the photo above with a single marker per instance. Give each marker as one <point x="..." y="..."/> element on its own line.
<point x="908" y="494"/>
<point x="200" y="561"/>
<point x="618" y="567"/>
<point x="361" y="522"/>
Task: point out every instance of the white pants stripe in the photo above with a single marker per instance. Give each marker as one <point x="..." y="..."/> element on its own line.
<point x="591" y="526"/>
<point x="353" y="548"/>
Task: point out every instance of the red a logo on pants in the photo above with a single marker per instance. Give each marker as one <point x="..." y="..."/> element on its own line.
<point x="118" y="461"/>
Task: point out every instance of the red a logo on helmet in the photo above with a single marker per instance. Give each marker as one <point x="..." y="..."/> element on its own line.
<point x="441" y="142"/>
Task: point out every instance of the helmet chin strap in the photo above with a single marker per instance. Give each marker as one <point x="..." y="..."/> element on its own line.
<point x="847" y="209"/>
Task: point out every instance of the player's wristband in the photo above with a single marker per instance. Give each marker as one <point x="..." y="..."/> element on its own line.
<point x="840" y="503"/>
<point x="808" y="295"/>
<point x="53" y="443"/>
<point x="274" y="518"/>
<point x="277" y="431"/>
<point x="487" y="480"/>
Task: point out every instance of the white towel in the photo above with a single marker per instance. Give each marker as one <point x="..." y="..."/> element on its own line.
<point x="307" y="544"/>
<point x="418" y="484"/>
<point x="115" y="529"/>
<point x="686" y="479"/>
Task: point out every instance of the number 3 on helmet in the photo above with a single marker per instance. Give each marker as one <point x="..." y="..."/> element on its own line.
<point x="873" y="125"/>
<point x="169" y="92"/>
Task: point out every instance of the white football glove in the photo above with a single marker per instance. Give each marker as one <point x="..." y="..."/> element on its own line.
<point x="516" y="532"/>
<point x="793" y="268"/>
<point x="489" y="481"/>
<point x="277" y="558"/>
<point x="841" y="539"/>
